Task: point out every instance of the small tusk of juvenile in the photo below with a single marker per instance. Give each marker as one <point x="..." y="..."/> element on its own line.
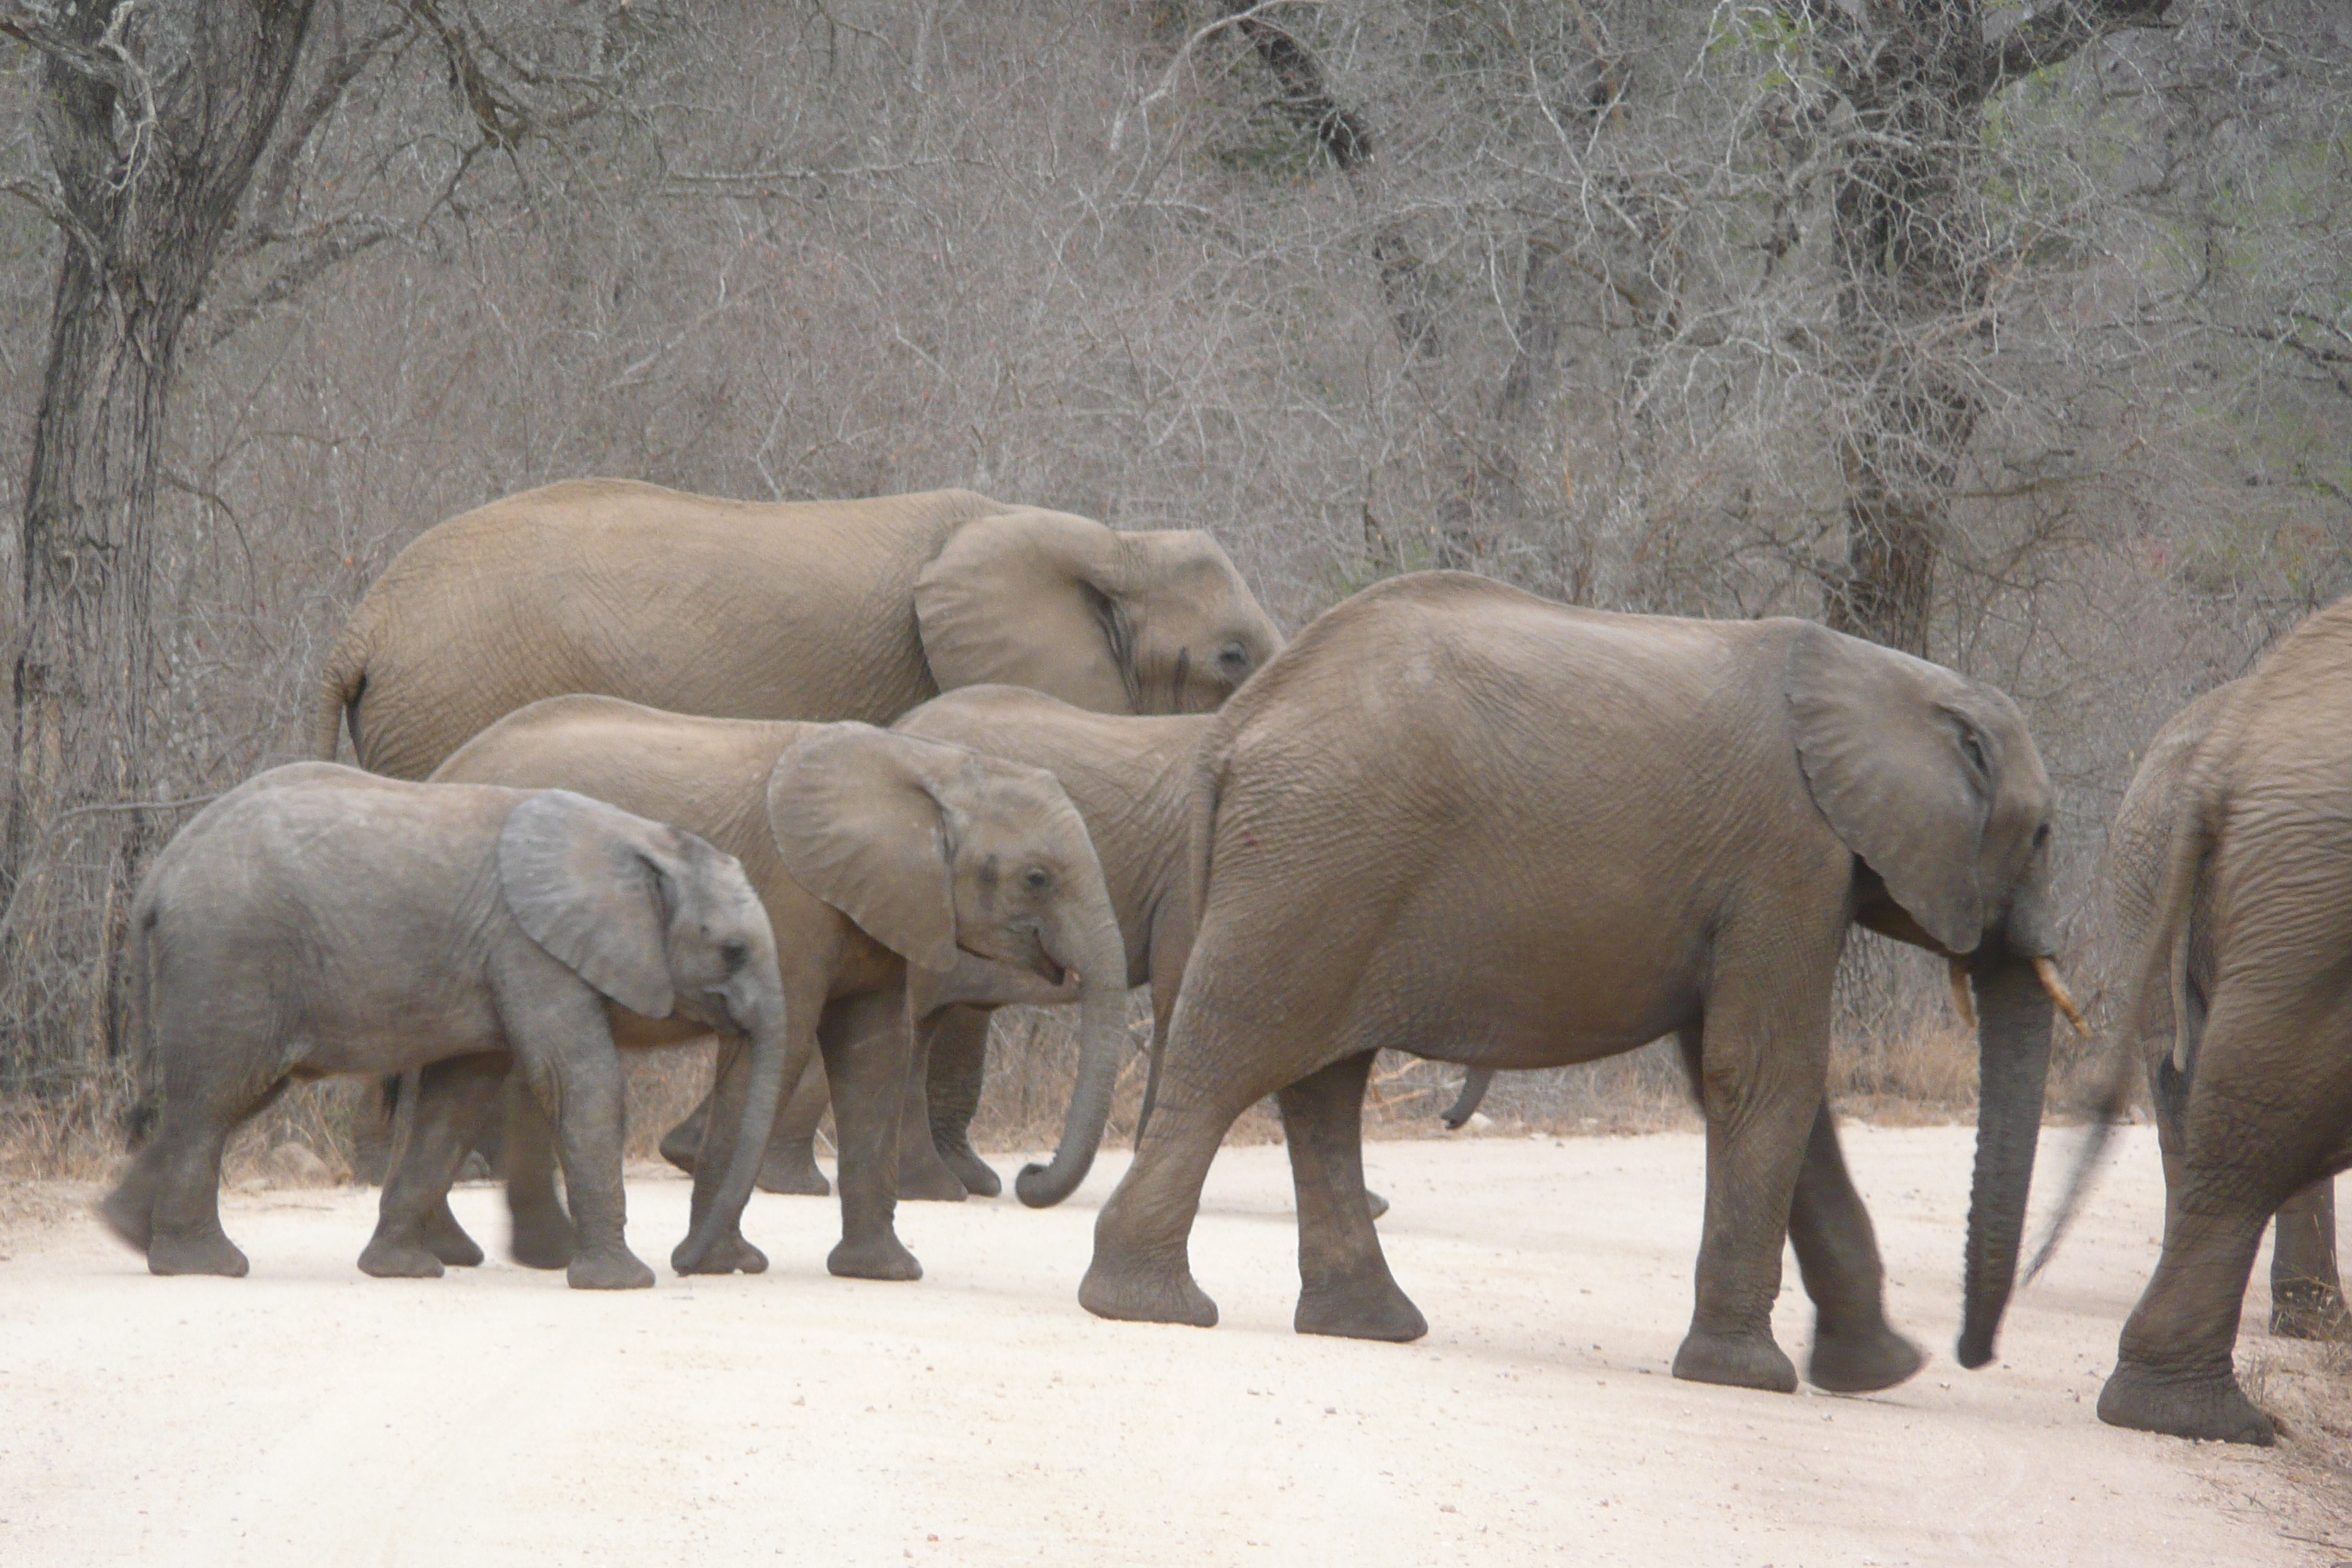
<point x="2060" y="996"/>
<point x="1961" y="1002"/>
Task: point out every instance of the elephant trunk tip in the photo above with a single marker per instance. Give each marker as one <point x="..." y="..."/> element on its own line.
<point x="1975" y="1348"/>
<point x="1042" y="1186"/>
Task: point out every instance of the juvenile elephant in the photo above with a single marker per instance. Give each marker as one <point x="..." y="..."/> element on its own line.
<point x="804" y="610"/>
<point x="1131" y="779"/>
<point x="873" y="853"/>
<point x="320" y="920"/>
<point x="1450" y="811"/>
<point x="2252" y="921"/>
<point x="2306" y="1295"/>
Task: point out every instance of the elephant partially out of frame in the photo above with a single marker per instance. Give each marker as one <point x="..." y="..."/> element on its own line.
<point x="1453" y="812"/>
<point x="2306" y="1291"/>
<point x="2244" y="958"/>
<point x="887" y="864"/>
<point x="319" y="920"/>
<point x="804" y="610"/>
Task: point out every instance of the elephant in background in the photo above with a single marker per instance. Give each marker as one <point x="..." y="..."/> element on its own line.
<point x="2245" y="952"/>
<point x="804" y="610"/>
<point x="890" y="866"/>
<point x="319" y="920"/>
<point x="2306" y="1292"/>
<point x="1453" y="811"/>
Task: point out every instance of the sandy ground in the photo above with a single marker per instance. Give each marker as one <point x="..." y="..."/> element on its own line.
<point x="309" y="1414"/>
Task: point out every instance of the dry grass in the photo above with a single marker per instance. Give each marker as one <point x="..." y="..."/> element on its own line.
<point x="2306" y="1386"/>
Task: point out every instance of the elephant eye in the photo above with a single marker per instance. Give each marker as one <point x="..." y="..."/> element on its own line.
<point x="735" y="955"/>
<point x="1234" y="656"/>
<point x="2042" y="836"/>
<point x="1038" y="879"/>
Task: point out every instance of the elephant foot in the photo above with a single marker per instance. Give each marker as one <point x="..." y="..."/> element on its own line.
<point x="130" y="1216"/>
<point x="542" y="1240"/>
<point x="728" y="1255"/>
<point x="2210" y="1407"/>
<point x="2309" y="1315"/>
<point x="682" y="1142"/>
<point x="447" y="1241"/>
<point x="1360" y="1310"/>
<point x="616" y="1268"/>
<point x="1861" y="1359"/>
<point x="394" y="1257"/>
<point x="1736" y="1361"/>
<point x="930" y="1181"/>
<point x="978" y="1177"/>
<point x="791" y="1169"/>
<point x="1380" y="1206"/>
<point x="1132" y="1296"/>
<point x="208" y="1253"/>
<point x="875" y="1258"/>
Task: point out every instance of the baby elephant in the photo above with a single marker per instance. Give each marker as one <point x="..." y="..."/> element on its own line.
<point x="321" y="919"/>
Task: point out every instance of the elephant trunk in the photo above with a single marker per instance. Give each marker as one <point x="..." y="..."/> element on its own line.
<point x="770" y="1051"/>
<point x="2014" y="1015"/>
<point x="1102" y="1051"/>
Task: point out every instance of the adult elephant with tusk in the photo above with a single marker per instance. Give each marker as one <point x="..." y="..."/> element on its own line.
<point x="890" y="866"/>
<point x="1453" y="811"/>
<point x="804" y="610"/>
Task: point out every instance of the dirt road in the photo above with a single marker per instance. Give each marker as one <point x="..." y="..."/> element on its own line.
<point x="309" y="1414"/>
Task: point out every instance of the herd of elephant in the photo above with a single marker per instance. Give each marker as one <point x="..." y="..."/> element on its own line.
<point x="831" y="781"/>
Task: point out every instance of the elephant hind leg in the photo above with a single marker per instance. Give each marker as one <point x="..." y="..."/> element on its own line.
<point x="1141" y="1271"/>
<point x="184" y="1234"/>
<point x="1854" y="1351"/>
<point x="1345" y="1286"/>
<point x="2306" y="1292"/>
<point x="452" y="1099"/>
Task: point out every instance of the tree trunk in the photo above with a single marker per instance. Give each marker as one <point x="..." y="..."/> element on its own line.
<point x="152" y="128"/>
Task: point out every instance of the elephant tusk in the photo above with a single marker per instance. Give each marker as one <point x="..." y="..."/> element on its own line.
<point x="2047" y="973"/>
<point x="1961" y="1003"/>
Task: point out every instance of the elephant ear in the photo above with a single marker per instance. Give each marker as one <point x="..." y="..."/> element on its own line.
<point x="1900" y="772"/>
<point x="584" y="882"/>
<point x="858" y="821"/>
<point x="1029" y="597"/>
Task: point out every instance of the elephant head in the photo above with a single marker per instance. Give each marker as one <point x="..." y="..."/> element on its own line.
<point x="660" y="921"/>
<point x="933" y="850"/>
<point x="1934" y="784"/>
<point x="1118" y="623"/>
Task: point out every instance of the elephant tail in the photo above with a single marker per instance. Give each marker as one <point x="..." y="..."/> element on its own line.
<point x="1208" y="791"/>
<point x="2160" y="969"/>
<point x="340" y="685"/>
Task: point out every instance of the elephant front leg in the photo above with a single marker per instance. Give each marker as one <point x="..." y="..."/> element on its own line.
<point x="729" y="1253"/>
<point x="790" y="1167"/>
<point x="1854" y="1352"/>
<point x="574" y="1072"/>
<point x="866" y="1046"/>
<point x="1345" y="1287"/>
<point x="415" y="1233"/>
<point x="1760" y="1080"/>
<point x="2307" y="1293"/>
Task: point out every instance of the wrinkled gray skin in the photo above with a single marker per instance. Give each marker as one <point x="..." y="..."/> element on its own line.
<point x="1451" y="811"/>
<point x="2254" y="1091"/>
<point x="876" y="855"/>
<point x="2307" y="1293"/>
<point x="1131" y="779"/>
<point x="319" y="920"/>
